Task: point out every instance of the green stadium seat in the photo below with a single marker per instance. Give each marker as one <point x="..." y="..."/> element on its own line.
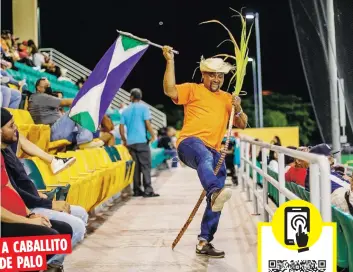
<point x="342" y="249"/>
<point x="58" y="193"/>
<point x="346" y="223"/>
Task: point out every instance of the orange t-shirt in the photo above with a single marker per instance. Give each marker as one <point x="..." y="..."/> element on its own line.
<point x="206" y="113"/>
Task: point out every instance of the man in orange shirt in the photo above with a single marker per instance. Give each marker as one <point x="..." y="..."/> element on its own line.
<point x="207" y="110"/>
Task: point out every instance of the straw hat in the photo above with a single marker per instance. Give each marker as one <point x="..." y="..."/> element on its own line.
<point x="215" y="65"/>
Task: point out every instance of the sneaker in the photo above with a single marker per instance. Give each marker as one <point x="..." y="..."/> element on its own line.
<point x="54" y="268"/>
<point x="59" y="164"/>
<point x="209" y="250"/>
<point x="220" y="197"/>
<point x="92" y="144"/>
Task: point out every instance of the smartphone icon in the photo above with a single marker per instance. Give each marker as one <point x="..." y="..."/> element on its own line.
<point x="294" y="217"/>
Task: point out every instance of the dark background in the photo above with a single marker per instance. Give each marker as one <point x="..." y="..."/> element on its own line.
<point x="84" y="30"/>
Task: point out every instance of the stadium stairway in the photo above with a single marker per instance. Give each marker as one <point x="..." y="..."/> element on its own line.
<point x="136" y="233"/>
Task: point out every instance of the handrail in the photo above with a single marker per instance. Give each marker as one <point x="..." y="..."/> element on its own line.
<point x="320" y="185"/>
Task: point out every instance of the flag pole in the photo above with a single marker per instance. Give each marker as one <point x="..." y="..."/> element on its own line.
<point x="143" y="40"/>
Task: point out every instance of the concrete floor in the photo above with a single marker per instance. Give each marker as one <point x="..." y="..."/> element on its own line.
<point x="136" y="234"/>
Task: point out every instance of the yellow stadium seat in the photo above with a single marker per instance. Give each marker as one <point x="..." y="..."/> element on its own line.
<point x="98" y="176"/>
<point x="75" y="173"/>
<point x="125" y="156"/>
<point x="37" y="134"/>
<point x="107" y="173"/>
<point x="119" y="167"/>
<point x="51" y="179"/>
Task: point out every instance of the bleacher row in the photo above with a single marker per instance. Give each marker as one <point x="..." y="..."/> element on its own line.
<point x="343" y="220"/>
<point x="96" y="176"/>
<point x="31" y="75"/>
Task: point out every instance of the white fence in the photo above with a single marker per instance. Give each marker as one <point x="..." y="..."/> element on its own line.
<point x="75" y="71"/>
<point x="320" y="185"/>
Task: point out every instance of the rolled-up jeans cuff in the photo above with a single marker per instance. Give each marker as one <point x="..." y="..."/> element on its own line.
<point x="202" y="239"/>
<point x="209" y="194"/>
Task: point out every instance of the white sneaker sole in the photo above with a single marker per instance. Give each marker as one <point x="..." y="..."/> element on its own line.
<point x="222" y="198"/>
<point x="68" y="164"/>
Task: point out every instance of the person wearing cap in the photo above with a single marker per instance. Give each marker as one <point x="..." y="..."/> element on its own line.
<point x="207" y="111"/>
<point x="341" y="188"/>
<point x="136" y="118"/>
<point x="75" y="216"/>
<point x="45" y="109"/>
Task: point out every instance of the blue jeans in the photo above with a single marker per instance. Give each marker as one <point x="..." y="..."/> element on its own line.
<point x="64" y="128"/>
<point x="10" y="98"/>
<point x="193" y="152"/>
<point x="77" y="220"/>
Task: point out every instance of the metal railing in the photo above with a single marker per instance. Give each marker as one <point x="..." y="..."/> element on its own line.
<point x="320" y="185"/>
<point x="75" y="71"/>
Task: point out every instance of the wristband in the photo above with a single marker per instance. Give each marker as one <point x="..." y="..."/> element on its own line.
<point x="239" y="113"/>
<point x="28" y="216"/>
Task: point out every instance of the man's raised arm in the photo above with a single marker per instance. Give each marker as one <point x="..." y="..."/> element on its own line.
<point x="169" y="75"/>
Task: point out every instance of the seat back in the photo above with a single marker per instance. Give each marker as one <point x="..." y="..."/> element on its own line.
<point x="21" y="117"/>
<point x="342" y="248"/>
<point x="273" y="191"/>
<point x="34" y="173"/>
<point x="346" y="223"/>
<point x="115" y="153"/>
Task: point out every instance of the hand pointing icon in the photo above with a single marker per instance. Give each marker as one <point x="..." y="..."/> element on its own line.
<point x="302" y="239"/>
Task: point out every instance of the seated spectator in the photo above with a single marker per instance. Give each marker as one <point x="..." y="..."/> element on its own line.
<point x="76" y="216"/>
<point x="273" y="159"/>
<point x="165" y="142"/>
<point x="18" y="221"/>
<point x="325" y="150"/>
<point x="229" y="159"/>
<point x="342" y="197"/>
<point x="44" y="109"/>
<point x="9" y="98"/>
<point x="297" y="173"/>
<point x="341" y="186"/>
<point x="288" y="160"/>
<point x="56" y="164"/>
<point x="80" y="82"/>
<point x="276" y="141"/>
<point x="21" y="85"/>
<point x="64" y="77"/>
<point x="105" y="134"/>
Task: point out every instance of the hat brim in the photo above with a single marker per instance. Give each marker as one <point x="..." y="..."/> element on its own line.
<point x="335" y="152"/>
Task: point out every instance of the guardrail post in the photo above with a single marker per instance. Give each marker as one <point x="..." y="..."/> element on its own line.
<point x="265" y="185"/>
<point x="247" y="177"/>
<point x="325" y="186"/>
<point x="241" y="170"/>
<point x="315" y="185"/>
<point x="281" y="178"/>
<point x="254" y="176"/>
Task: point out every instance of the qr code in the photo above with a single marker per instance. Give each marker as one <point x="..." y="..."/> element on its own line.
<point x="297" y="266"/>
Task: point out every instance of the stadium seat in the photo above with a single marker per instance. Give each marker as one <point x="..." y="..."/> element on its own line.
<point x="56" y="180"/>
<point x="37" y="134"/>
<point x="346" y="223"/>
<point x="130" y="164"/>
<point x="342" y="249"/>
<point x="273" y="191"/>
<point x="58" y="193"/>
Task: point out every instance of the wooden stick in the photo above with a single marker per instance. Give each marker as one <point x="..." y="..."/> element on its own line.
<point x="143" y="40"/>
<point x="203" y="194"/>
